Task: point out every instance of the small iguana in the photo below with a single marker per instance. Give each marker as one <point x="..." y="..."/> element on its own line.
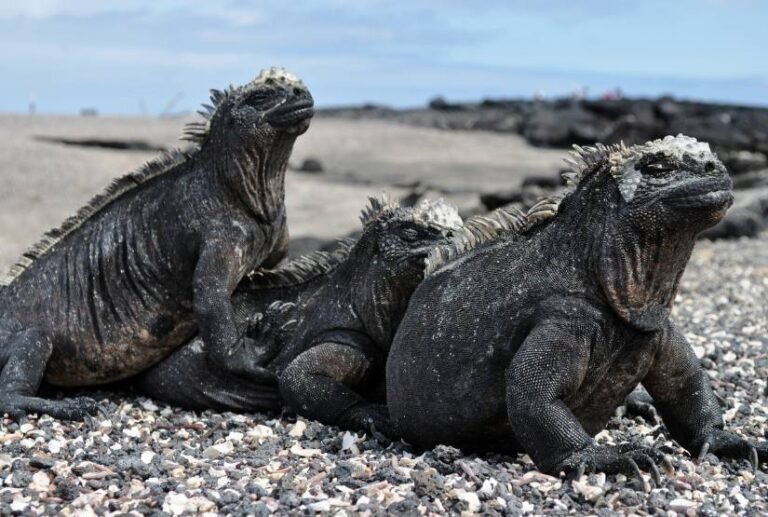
<point x="154" y="259"/>
<point x="351" y="296"/>
<point x="530" y="344"/>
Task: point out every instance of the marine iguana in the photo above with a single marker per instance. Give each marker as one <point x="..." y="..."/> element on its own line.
<point x="333" y="367"/>
<point x="352" y="293"/>
<point x="154" y="259"/>
<point x="530" y="344"/>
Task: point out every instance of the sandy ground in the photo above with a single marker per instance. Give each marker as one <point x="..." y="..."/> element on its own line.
<point x="43" y="182"/>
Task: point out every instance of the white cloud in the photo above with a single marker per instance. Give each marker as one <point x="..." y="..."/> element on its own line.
<point x="232" y="13"/>
<point x="46" y="9"/>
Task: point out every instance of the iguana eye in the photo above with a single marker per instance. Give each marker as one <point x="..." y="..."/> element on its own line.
<point x="658" y="167"/>
<point x="410" y="235"/>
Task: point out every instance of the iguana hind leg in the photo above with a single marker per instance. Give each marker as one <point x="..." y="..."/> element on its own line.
<point x="319" y="384"/>
<point x="187" y="379"/>
<point x="23" y="366"/>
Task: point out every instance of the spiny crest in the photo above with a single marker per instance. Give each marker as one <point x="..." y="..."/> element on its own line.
<point x="114" y="190"/>
<point x="544" y="210"/>
<point x="477" y="230"/>
<point x="585" y="159"/>
<point x="378" y="207"/>
<point x="299" y="270"/>
<point x="198" y="131"/>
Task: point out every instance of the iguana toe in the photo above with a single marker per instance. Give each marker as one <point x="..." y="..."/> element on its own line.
<point x="16" y="406"/>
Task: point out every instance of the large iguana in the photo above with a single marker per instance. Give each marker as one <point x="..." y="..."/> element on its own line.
<point x="351" y="296"/>
<point x="529" y="345"/>
<point x="155" y="258"/>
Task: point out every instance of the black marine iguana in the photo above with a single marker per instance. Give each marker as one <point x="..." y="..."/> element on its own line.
<point x="353" y="293"/>
<point x="155" y="258"/>
<point x="529" y="345"/>
<point x="333" y="368"/>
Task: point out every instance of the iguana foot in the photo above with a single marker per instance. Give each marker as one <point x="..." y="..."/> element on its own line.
<point x="639" y="403"/>
<point x="371" y="418"/>
<point x="248" y="360"/>
<point x="729" y="445"/>
<point x="78" y="408"/>
<point x="625" y="460"/>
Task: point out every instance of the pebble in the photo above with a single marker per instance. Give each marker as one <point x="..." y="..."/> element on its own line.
<point x="184" y="462"/>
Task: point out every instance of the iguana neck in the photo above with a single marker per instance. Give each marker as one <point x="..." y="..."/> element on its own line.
<point x="635" y="270"/>
<point x="639" y="272"/>
<point x="382" y="306"/>
<point x="380" y="297"/>
<point x="256" y="174"/>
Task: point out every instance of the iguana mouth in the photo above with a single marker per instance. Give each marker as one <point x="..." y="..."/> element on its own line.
<point x="702" y="193"/>
<point x="291" y="113"/>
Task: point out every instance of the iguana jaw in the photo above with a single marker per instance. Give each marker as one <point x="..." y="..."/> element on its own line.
<point x="705" y="193"/>
<point x="292" y="116"/>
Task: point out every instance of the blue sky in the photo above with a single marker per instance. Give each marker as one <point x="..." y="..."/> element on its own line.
<point x="134" y="56"/>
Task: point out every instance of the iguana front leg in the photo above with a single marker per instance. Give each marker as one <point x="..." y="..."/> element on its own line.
<point x="688" y="406"/>
<point x="318" y="384"/>
<point x="548" y="368"/>
<point x="215" y="278"/>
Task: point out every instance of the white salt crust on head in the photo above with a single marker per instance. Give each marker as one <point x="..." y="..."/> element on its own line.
<point x="437" y="211"/>
<point x="277" y="74"/>
<point x="623" y="161"/>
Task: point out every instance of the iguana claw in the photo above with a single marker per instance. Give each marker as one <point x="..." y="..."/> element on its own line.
<point x="628" y="460"/>
<point x="703" y="452"/>
<point x="729" y="445"/>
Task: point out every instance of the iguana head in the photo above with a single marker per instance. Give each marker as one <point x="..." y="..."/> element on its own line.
<point x="248" y="134"/>
<point x="403" y="237"/>
<point x="276" y="101"/>
<point x="388" y="261"/>
<point x="676" y="182"/>
<point x="644" y="206"/>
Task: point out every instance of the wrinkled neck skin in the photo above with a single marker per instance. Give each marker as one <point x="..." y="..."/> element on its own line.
<point x="381" y="295"/>
<point x="636" y="269"/>
<point x="255" y="173"/>
<point x="640" y="272"/>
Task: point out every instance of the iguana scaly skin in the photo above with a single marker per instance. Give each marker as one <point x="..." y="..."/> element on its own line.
<point x="264" y="305"/>
<point x="530" y="344"/>
<point x="154" y="259"/>
<point x="353" y="294"/>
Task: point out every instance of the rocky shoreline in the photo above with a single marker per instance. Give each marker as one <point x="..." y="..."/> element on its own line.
<point x="739" y="134"/>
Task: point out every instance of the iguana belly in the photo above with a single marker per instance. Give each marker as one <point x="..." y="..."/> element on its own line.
<point x="126" y="352"/>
